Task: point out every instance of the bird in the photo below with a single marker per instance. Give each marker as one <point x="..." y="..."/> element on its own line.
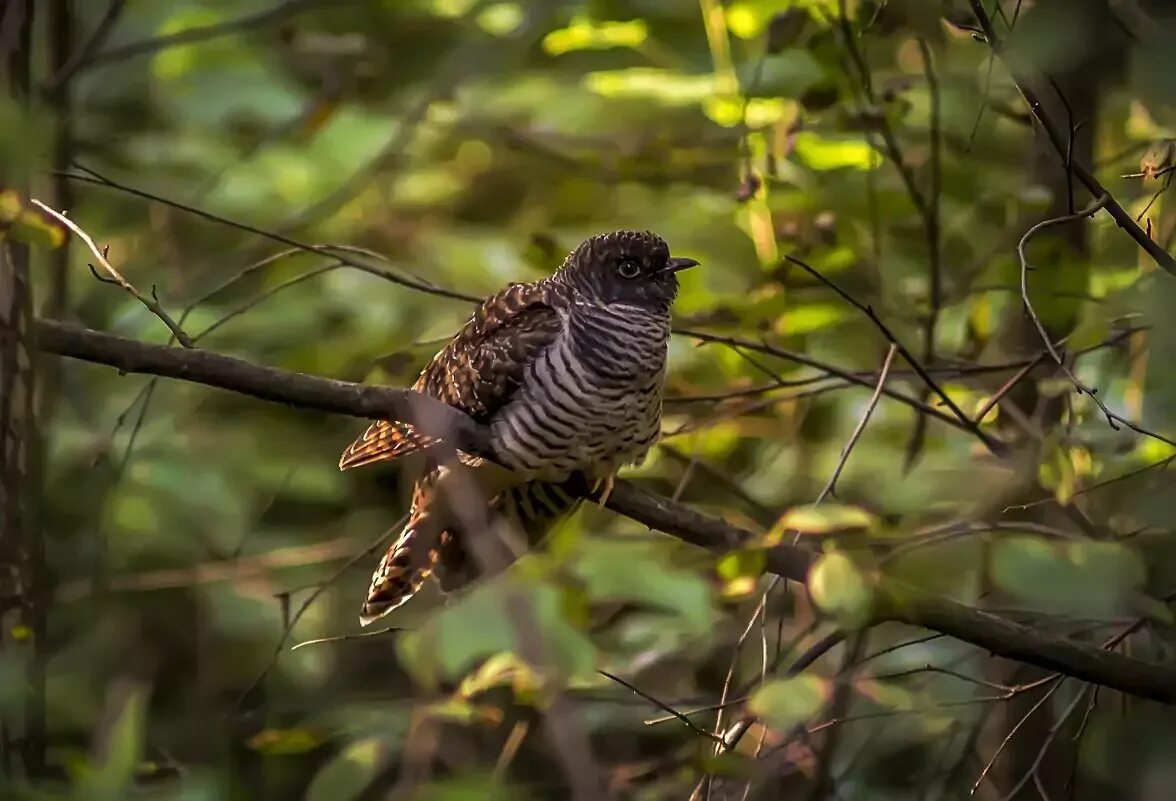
<point x="567" y="372"/>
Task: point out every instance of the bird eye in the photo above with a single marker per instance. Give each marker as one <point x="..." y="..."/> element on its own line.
<point x="628" y="269"/>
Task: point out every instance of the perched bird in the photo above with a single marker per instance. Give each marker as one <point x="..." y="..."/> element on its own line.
<point x="566" y="371"/>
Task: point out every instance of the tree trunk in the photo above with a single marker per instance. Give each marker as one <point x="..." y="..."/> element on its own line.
<point x="21" y="626"/>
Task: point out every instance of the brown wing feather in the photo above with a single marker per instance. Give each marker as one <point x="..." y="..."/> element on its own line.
<point x="480" y="368"/>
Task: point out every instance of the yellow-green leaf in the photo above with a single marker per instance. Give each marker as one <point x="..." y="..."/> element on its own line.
<point x="583" y="34"/>
<point x="841" y="590"/>
<point x="824" y="153"/>
<point x="824" y="519"/>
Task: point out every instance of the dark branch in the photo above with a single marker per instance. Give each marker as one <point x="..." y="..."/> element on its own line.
<point x="204" y="33"/>
<point x="903" y="603"/>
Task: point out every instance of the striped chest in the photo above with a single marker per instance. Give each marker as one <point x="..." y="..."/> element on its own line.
<point x="592" y="400"/>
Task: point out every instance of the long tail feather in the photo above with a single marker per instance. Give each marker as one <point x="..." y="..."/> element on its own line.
<point x="384" y="440"/>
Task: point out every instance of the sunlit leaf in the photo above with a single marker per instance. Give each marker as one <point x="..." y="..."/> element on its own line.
<point x="34" y="228"/>
<point x="810" y="317"/>
<point x="826" y="518"/>
<point x="500" y="669"/>
<point x="824" y="153"/>
<point x="664" y="86"/>
<point x="584" y="34"/>
<point x="740" y="572"/>
<point x="784" y="703"/>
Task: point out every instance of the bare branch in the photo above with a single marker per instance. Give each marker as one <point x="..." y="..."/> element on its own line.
<point x="831" y="487"/>
<point x="151" y="303"/>
<point x="1113" y="419"/>
<point x="189" y="36"/>
<point x="1059" y="142"/>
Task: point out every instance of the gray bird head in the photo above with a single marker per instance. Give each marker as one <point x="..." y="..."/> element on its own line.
<point x="630" y="267"/>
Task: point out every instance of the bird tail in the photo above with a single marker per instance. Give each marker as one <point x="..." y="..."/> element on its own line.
<point x="431" y="542"/>
<point x="407" y="563"/>
<point x="531" y="508"/>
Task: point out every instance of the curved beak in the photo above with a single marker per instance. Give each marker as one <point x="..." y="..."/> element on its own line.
<point x="676" y="265"/>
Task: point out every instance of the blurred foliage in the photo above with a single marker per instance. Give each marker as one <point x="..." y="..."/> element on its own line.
<point x="192" y="537"/>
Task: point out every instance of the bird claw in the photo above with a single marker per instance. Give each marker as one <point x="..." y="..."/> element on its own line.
<point x="607" y="483"/>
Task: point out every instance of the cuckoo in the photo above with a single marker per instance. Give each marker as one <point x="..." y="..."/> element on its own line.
<point x="567" y="373"/>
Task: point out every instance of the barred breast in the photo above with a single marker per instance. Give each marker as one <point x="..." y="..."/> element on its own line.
<point x="591" y="402"/>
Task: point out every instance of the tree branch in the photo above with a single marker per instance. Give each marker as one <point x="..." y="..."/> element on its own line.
<point x="1025" y="84"/>
<point x="904" y="603"/>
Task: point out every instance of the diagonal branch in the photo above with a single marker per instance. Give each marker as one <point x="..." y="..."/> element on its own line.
<point x="116" y="277"/>
<point x="904" y="603"/>
<point x="1025" y="84"/>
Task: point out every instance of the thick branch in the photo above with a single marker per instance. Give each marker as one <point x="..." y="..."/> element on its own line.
<point x="280" y="386"/>
<point x="907" y="605"/>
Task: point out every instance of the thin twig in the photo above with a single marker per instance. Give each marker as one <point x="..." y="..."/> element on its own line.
<point x="1161" y="257"/>
<point x="662" y="705"/>
<point x="82" y="54"/>
<point x="1006" y="388"/>
<point x="965" y="422"/>
<point x="323" y="250"/>
<point x="1057" y="682"/>
<point x="152" y="304"/>
<point x="831" y="487"/>
<point x="242" y="24"/>
<point x="347" y="637"/>
<point x="288" y="628"/>
<point x="1114" y="420"/>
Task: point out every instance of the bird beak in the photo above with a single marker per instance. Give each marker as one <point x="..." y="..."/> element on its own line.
<point x="675" y="265"/>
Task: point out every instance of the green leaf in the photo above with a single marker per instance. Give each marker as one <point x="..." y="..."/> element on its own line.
<point x="784" y="703"/>
<point x="500" y="669"/>
<point x="740" y="572"/>
<point x="348" y="773"/>
<point x="1094" y="578"/>
<point x="841" y="590"/>
<point x="641" y="571"/>
<point x="479" y="625"/>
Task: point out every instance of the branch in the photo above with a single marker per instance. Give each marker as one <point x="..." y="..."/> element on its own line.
<point x="1061" y="145"/>
<point x="1113" y="419"/>
<point x="242" y="24"/>
<point x="267" y="383"/>
<point x="904" y="604"/>
<point x="116" y="277"/>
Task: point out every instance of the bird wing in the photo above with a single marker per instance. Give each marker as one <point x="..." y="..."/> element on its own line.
<point x="478" y="371"/>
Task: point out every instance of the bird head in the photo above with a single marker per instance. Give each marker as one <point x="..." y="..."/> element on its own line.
<point x="629" y="267"/>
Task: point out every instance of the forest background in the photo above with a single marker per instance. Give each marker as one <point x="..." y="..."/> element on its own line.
<point x="919" y="416"/>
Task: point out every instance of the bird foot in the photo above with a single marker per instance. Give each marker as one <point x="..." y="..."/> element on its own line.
<point x="607" y="483"/>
